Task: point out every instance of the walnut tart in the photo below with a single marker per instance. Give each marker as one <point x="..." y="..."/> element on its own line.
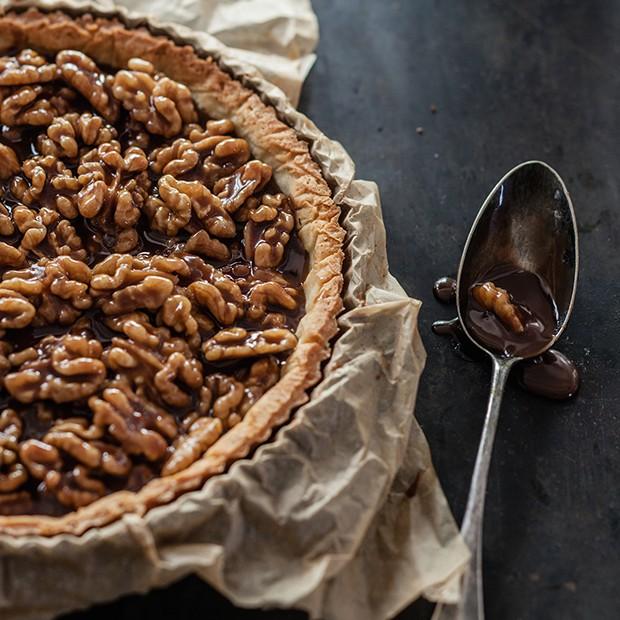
<point x="170" y="271"/>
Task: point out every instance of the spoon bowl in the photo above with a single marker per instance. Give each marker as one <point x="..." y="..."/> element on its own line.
<point x="527" y="221"/>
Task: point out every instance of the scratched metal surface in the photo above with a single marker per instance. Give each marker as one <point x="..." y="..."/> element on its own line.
<point x="511" y="81"/>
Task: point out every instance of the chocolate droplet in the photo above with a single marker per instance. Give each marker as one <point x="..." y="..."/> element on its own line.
<point x="551" y="375"/>
<point x="445" y="290"/>
<point x="461" y="344"/>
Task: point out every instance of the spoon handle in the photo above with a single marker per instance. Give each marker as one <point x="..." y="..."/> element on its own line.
<point x="471" y="604"/>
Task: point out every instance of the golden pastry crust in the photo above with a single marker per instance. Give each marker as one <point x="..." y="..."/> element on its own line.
<point x="110" y="42"/>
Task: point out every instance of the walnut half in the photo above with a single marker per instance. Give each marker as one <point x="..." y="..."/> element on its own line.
<point x="82" y="73"/>
<point x="202" y="434"/>
<point x="237" y="343"/>
<point x="9" y="163"/>
<point x="158" y="102"/>
<point x="268" y="230"/>
<point x="498" y="301"/>
<point x="28" y="67"/>
<point x="64" y="369"/>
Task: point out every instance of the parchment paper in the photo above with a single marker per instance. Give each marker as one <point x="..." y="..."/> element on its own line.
<point x="278" y="37"/>
<point x="342" y="514"/>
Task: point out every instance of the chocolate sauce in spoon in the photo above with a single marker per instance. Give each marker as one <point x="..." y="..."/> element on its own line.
<point x="529" y="297"/>
<point x="551" y="374"/>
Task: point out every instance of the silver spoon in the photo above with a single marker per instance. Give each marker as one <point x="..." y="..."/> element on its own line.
<point x="527" y="221"/>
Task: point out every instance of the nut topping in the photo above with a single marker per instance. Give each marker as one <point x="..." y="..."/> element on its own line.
<point x="133" y="421"/>
<point x="149" y="284"/>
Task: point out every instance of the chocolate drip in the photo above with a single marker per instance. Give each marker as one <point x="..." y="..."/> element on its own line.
<point x="461" y="344"/>
<point x="551" y="375"/>
<point x="445" y="290"/>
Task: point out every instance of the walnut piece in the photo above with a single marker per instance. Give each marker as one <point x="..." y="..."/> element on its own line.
<point x="499" y="302"/>
<point x="65" y="134"/>
<point x="162" y="366"/>
<point x="268" y="230"/>
<point x="12" y="473"/>
<point x="176" y="312"/>
<point x="238" y="343"/>
<point x="5" y="365"/>
<point x="32" y="225"/>
<point x="82" y="73"/>
<point x="45" y="175"/>
<point x="114" y="187"/>
<point x="229" y="398"/>
<point x="9" y="163"/>
<point x="39" y="458"/>
<point x="27" y="106"/>
<point x="80" y="427"/>
<point x="120" y="270"/>
<point x="203" y="433"/>
<point x="11" y="427"/>
<point x="28" y="67"/>
<point x="177" y="159"/>
<point x="263" y="294"/>
<point x="235" y="189"/>
<point x="75" y="488"/>
<point x="217" y="155"/>
<point x="6" y="223"/>
<point x="178" y="199"/>
<point x="150" y="294"/>
<point x="81" y="443"/>
<point x="264" y="373"/>
<point x="10" y="256"/>
<point x="75" y="446"/>
<point x="63" y="240"/>
<point x="203" y="244"/>
<point x="220" y="295"/>
<point x="226" y="394"/>
<point x="15" y="310"/>
<point x="171" y="211"/>
<point x="136" y="423"/>
<point x="158" y="102"/>
<point x="58" y="288"/>
<point x="178" y="368"/>
<point x="67" y="368"/>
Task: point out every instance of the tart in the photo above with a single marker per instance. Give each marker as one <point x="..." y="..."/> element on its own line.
<point x="170" y="271"/>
